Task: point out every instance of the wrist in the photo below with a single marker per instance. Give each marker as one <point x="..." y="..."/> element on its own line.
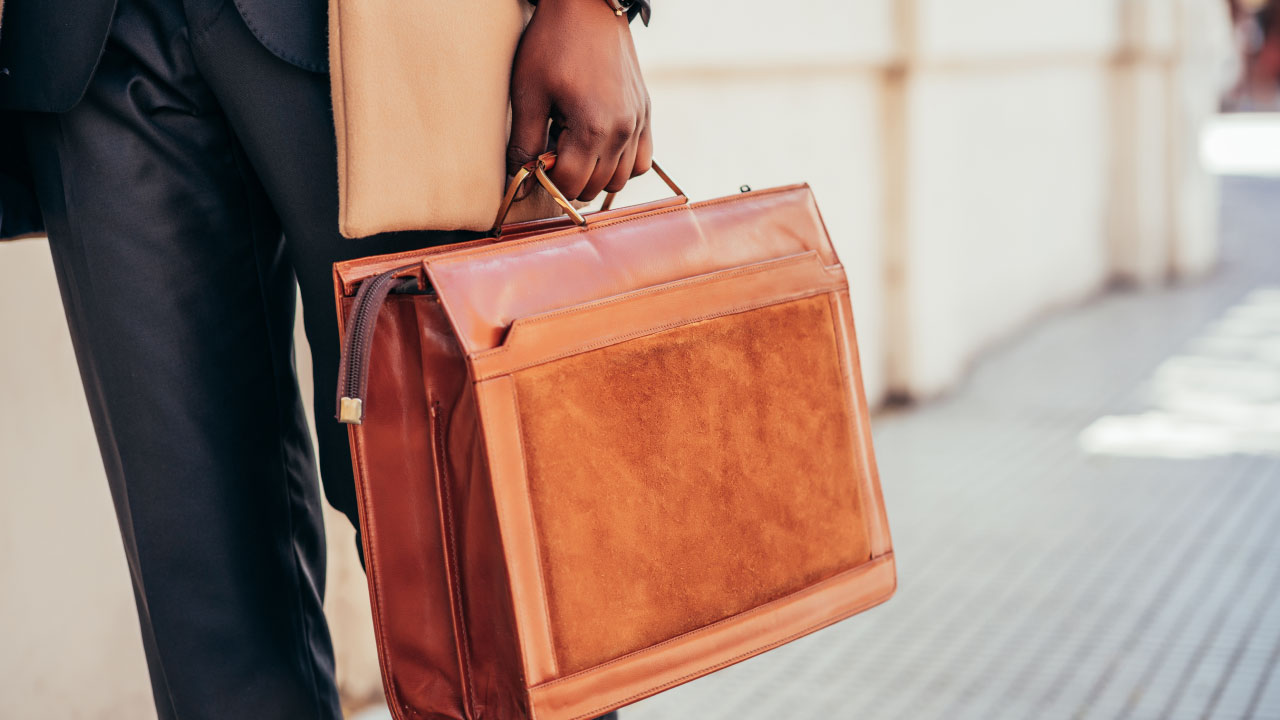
<point x="628" y="9"/>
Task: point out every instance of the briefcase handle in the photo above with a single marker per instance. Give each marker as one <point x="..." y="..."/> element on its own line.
<point x="538" y="169"/>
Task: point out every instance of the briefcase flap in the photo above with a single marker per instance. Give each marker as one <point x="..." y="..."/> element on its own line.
<point x="485" y="289"/>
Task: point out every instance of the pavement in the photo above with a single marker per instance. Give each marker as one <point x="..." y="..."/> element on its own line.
<point x="1089" y="527"/>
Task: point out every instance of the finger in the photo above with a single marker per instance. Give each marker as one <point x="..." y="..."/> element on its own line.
<point x="618" y="141"/>
<point x="575" y="162"/>
<point x="603" y="173"/>
<point x="644" y="148"/>
<point x="530" y="115"/>
<point x="623" y="172"/>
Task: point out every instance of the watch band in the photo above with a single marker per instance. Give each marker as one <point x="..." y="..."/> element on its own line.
<point x="630" y="8"/>
<point x="620" y="7"/>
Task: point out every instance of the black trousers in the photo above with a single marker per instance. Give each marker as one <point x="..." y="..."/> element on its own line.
<point x="183" y="195"/>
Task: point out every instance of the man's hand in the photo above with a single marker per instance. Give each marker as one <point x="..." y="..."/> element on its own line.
<point x="576" y="71"/>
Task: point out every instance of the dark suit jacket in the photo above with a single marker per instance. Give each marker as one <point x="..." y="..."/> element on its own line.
<point x="49" y="48"/>
<point x="48" y="52"/>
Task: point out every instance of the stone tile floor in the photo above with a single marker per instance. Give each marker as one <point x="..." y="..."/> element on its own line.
<point x="1088" y="528"/>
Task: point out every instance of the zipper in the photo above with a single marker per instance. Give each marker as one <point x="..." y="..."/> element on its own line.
<point x="353" y="366"/>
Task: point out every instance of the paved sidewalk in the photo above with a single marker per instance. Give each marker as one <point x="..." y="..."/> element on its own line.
<point x="1040" y="580"/>
<point x="1088" y="528"/>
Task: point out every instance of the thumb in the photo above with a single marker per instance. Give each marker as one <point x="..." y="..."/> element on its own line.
<point x="530" y="116"/>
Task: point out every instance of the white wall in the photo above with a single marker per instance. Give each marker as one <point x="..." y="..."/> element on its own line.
<point x="1004" y="210"/>
<point x="774" y="93"/>
<point x="977" y="161"/>
<point x="69" y="645"/>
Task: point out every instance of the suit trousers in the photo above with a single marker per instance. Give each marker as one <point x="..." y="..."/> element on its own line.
<point x="183" y="195"/>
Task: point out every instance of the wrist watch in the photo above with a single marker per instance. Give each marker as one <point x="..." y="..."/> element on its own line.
<point x="630" y="8"/>
<point x="620" y="7"/>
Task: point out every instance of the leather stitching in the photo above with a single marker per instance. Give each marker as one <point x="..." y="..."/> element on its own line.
<point x="499" y="246"/>
<point x="622" y="658"/>
<point x="419" y="254"/>
<point x="533" y="522"/>
<point x="730" y="661"/>
<point x="866" y="501"/>
<point x="695" y="281"/>
<point x="877" y="534"/>
<point x="615" y="339"/>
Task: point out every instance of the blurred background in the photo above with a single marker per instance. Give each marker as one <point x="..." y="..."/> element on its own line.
<point x="1066" y="281"/>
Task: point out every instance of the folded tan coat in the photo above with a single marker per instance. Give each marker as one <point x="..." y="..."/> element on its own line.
<point x="421" y="109"/>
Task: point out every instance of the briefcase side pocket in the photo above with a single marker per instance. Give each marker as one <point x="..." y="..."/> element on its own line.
<point x="668" y="459"/>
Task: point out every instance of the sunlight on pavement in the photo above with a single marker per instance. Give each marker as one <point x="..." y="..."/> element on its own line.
<point x="1242" y="144"/>
<point x="1221" y="397"/>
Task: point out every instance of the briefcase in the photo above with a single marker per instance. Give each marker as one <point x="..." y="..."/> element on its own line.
<point x="602" y="455"/>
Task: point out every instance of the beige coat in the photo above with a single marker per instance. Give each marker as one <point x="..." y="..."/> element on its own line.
<point x="420" y="101"/>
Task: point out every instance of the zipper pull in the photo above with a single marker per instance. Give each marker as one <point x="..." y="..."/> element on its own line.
<point x="350" y="410"/>
<point x="353" y="367"/>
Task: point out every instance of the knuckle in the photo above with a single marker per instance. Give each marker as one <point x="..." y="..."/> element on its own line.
<point x="622" y="131"/>
<point x="563" y="81"/>
<point x="595" y="130"/>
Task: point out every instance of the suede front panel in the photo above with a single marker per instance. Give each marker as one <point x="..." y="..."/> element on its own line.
<point x="687" y="476"/>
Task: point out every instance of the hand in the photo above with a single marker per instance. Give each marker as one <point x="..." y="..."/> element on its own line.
<point x="577" y="81"/>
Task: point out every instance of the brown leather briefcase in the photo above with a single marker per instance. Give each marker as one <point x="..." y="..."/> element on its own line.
<point x="601" y="456"/>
